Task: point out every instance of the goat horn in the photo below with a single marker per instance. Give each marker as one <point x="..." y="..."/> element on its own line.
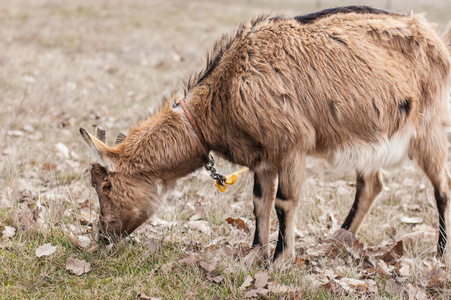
<point x="120" y="138"/>
<point x="101" y="133"/>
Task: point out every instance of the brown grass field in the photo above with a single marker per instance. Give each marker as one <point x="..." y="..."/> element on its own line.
<point x="66" y="64"/>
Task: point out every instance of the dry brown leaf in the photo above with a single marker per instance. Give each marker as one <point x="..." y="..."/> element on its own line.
<point x="5" y="245"/>
<point x="261" y="279"/>
<point x="189" y="259"/>
<point x="435" y="278"/>
<point x="278" y="288"/>
<point x="354" y="283"/>
<point x="246" y="283"/>
<point x="403" y="269"/>
<point x="80" y="241"/>
<point x="371" y="285"/>
<point x="167" y="267"/>
<point x="419" y="236"/>
<point x="210" y="268"/>
<point x="342" y="235"/>
<point x="8" y="232"/>
<point x="394" y="254"/>
<point x="320" y="250"/>
<point x="238" y="223"/>
<point x="412" y="220"/>
<point x="299" y="262"/>
<point x="416" y="293"/>
<point x="382" y="269"/>
<point x="201" y="226"/>
<point x="254" y="293"/>
<point x="45" y="250"/>
<point x="152" y="244"/>
<point x="392" y="287"/>
<point x="241" y="250"/>
<point x="93" y="249"/>
<point x="77" y="266"/>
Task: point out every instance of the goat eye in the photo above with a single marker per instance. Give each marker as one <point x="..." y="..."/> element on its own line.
<point x="94" y="185"/>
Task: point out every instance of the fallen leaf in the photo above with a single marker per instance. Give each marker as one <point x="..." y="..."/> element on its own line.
<point x="278" y="288"/>
<point x="412" y="220"/>
<point x="201" y="226"/>
<point x="45" y="250"/>
<point x="8" y="232"/>
<point x="435" y="278"/>
<point x="246" y="283"/>
<point x="77" y="266"/>
<point x="419" y="236"/>
<point x="403" y="269"/>
<point x="395" y="253"/>
<point x="189" y="259"/>
<point x="167" y="267"/>
<point x="5" y="245"/>
<point x="392" y="287"/>
<point x="299" y="262"/>
<point x="93" y="249"/>
<point x="80" y="241"/>
<point x="355" y="283"/>
<point x="320" y="250"/>
<point x="382" y="269"/>
<point x="254" y="293"/>
<point x="416" y="293"/>
<point x="261" y="279"/>
<point x="209" y="268"/>
<point x="152" y="244"/>
<point x="342" y="235"/>
<point x="238" y="223"/>
<point x="371" y="285"/>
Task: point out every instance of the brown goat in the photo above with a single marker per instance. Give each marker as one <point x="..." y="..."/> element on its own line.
<point x="361" y="87"/>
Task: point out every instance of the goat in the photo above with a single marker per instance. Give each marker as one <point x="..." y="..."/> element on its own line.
<point x="360" y="87"/>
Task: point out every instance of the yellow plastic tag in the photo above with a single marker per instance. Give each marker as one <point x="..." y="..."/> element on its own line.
<point x="231" y="179"/>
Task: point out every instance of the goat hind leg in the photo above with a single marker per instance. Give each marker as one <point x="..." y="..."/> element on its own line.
<point x="368" y="186"/>
<point x="430" y="151"/>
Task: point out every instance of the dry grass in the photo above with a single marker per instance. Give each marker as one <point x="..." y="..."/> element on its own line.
<point x="69" y="64"/>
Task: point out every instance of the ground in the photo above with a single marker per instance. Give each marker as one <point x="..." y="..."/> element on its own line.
<point x="66" y="64"/>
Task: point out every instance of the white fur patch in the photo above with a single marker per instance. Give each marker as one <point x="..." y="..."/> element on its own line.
<point x="160" y="189"/>
<point x="368" y="158"/>
<point x="106" y="163"/>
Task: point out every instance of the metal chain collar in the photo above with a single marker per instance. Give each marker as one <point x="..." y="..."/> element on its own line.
<point x="210" y="166"/>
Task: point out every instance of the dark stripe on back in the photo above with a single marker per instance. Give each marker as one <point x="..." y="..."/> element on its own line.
<point x="312" y="17"/>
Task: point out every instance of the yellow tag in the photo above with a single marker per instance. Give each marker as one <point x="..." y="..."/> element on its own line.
<point x="231" y="179"/>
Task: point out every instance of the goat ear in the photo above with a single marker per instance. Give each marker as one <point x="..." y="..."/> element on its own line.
<point x="98" y="150"/>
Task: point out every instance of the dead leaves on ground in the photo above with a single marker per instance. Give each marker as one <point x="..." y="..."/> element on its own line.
<point x="260" y="287"/>
<point x="77" y="266"/>
<point x="193" y="259"/>
<point x="45" y="250"/>
<point x="344" y="250"/>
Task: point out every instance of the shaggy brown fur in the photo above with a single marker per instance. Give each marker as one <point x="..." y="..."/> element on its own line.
<point x="360" y="87"/>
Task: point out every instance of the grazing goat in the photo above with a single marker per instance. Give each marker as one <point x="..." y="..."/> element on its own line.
<point x="361" y="87"/>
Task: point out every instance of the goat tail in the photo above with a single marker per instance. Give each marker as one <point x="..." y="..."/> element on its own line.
<point x="446" y="36"/>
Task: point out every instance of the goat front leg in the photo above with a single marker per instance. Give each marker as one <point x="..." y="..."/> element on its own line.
<point x="291" y="174"/>
<point x="265" y="182"/>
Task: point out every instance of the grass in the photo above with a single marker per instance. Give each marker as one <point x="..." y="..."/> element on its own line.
<point x="72" y="64"/>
